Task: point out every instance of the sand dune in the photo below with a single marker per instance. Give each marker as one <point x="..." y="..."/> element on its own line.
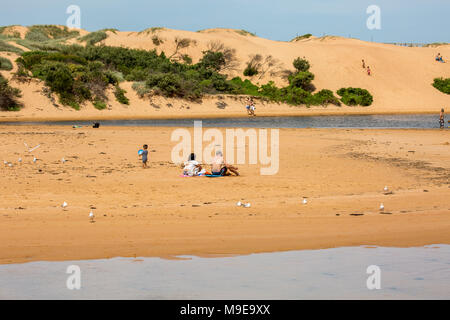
<point x="401" y="80"/>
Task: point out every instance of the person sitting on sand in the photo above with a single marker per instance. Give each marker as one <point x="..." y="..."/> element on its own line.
<point x="144" y="156"/>
<point x="220" y="168"/>
<point x="439" y="58"/>
<point x="192" y="168"/>
<point x="441" y="119"/>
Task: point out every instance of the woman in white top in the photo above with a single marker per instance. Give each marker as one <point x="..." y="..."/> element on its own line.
<point x="192" y="167"/>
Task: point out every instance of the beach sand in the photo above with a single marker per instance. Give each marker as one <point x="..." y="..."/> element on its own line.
<point x="155" y="212"/>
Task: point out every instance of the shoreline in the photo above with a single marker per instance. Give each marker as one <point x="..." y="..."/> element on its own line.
<point x="206" y="116"/>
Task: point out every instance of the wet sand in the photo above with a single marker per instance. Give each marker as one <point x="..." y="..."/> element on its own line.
<point x="155" y="212"/>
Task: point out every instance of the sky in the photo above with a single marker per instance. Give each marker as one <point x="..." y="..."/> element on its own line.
<point x="418" y="21"/>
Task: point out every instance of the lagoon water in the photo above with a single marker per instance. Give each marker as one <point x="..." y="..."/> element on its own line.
<point x="338" y="273"/>
<point x="413" y="121"/>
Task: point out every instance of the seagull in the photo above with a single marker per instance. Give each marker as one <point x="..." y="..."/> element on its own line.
<point x="91" y="216"/>
<point x="385" y="189"/>
<point x="239" y="203"/>
<point x="63" y="160"/>
<point x="20" y="160"/>
<point x="64" y="205"/>
<point x="34" y="159"/>
<point x="5" y="162"/>
<point x="247" y="205"/>
<point x="381" y="207"/>
<point x="304" y="201"/>
<point x="10" y="164"/>
<point x="31" y="149"/>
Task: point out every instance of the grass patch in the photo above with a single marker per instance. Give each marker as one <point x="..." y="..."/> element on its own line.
<point x="243" y="32"/>
<point x="5" y="64"/>
<point x="302" y="37"/>
<point x="6" y="47"/>
<point x="94" y="37"/>
<point x="99" y="105"/>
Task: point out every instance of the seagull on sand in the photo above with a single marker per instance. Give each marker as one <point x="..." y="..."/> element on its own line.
<point x="239" y="203"/>
<point x="385" y="189"/>
<point x="64" y="205"/>
<point x="247" y="205"/>
<point x="31" y="149"/>
<point x="304" y="201"/>
<point x="381" y="207"/>
<point x="91" y="216"/>
<point x="63" y="160"/>
<point x="20" y="160"/>
<point x="34" y="160"/>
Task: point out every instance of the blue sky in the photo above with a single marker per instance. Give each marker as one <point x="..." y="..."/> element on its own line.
<point x="401" y="20"/>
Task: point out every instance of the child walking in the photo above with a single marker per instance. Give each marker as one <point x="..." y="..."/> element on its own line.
<point x="144" y="156"/>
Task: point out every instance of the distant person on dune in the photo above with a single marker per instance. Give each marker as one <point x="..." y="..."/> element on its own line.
<point x="363" y="64"/>
<point x="439" y="58"/>
<point x="441" y="119"/>
<point x="369" y="72"/>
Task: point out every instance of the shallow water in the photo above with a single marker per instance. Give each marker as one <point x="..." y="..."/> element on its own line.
<point x="417" y="121"/>
<point x="338" y="273"/>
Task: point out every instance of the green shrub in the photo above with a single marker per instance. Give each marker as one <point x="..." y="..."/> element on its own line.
<point x="305" y="36"/>
<point x="355" y="96"/>
<point x="212" y="60"/>
<point x="250" y="71"/>
<point x="302" y="79"/>
<point x="324" y="97"/>
<point x="442" y="85"/>
<point x="99" y="104"/>
<point x="8" y="96"/>
<point x="301" y="65"/>
<point x="5" y="64"/>
<point x="140" y="88"/>
<point x="120" y="95"/>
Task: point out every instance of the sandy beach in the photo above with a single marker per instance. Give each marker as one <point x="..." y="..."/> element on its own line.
<point x="155" y="212"/>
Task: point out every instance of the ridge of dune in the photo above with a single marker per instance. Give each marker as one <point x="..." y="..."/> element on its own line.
<point x="401" y="80"/>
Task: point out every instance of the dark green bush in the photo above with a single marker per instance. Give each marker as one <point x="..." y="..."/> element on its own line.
<point x="302" y="79"/>
<point x="301" y="65"/>
<point x="250" y="71"/>
<point x="120" y="95"/>
<point x="442" y="85"/>
<point x="213" y="60"/>
<point x="42" y="33"/>
<point x="355" y="96"/>
<point x="8" y="96"/>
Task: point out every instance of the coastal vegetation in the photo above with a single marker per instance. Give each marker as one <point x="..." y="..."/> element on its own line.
<point x="8" y="96"/>
<point x="442" y="85"/>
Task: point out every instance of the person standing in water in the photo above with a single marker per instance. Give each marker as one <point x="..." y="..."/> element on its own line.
<point x="441" y="119"/>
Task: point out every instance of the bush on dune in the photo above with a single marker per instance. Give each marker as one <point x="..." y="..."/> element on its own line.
<point x="355" y="96"/>
<point x="8" y="96"/>
<point x="442" y="85"/>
